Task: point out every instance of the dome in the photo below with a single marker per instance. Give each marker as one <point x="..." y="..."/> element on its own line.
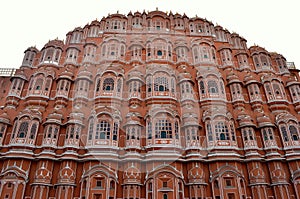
<point x="54" y="43"/>
<point x="244" y="119"/>
<point x="263" y="120"/>
<point x="232" y="78"/>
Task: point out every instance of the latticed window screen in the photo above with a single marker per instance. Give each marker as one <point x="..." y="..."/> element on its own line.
<point x="212" y="86"/>
<point x="161" y="84"/>
<point x="163" y="129"/>
<point x="115" y="131"/>
<point x="221" y="130"/>
<point x="23" y="129"/>
<point x="103" y="130"/>
<point x="294" y="132"/>
<point x="33" y="131"/>
<point x="149" y="130"/>
<point x="176" y="130"/>
<point x="108" y="84"/>
<point x="91" y="129"/>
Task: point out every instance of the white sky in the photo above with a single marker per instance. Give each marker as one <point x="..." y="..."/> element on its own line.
<point x="270" y="24"/>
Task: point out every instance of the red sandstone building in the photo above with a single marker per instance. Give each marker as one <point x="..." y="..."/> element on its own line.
<point x="150" y="105"/>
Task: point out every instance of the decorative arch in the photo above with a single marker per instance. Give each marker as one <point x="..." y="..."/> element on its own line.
<point x="26" y="127"/>
<point x="164" y="168"/>
<point x="103" y="128"/>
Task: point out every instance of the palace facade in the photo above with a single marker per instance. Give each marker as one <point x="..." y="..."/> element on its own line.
<point x="150" y="105"/>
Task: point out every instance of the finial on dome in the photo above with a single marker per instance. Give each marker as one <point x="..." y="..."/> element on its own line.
<point x="156" y="8"/>
<point x="117" y="11"/>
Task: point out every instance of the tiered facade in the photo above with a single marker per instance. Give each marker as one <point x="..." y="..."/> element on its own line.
<point x="150" y="105"/>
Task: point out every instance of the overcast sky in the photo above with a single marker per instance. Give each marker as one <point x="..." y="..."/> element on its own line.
<point x="273" y="24"/>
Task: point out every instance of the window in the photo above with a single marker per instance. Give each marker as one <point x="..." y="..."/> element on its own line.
<point x="284" y="133"/>
<point x="103" y="130"/>
<point x="149" y="129"/>
<point x="294" y="133"/>
<point x="212" y="87"/>
<point x="2" y="129"/>
<point x="221" y="130"/>
<point x="159" y="53"/>
<point x="274" y="90"/>
<point x="33" y="131"/>
<point x="108" y="84"/>
<point x="248" y="134"/>
<point x="23" y="129"/>
<point x="161" y="84"/>
<point x="295" y="92"/>
<point x="73" y="132"/>
<point x="98" y="85"/>
<point x="176" y="130"/>
<point x="289" y="133"/>
<point x="209" y="132"/>
<point x="119" y="85"/>
<point x="38" y="84"/>
<point x="202" y="88"/>
<point x="165" y="196"/>
<point x="267" y="134"/>
<point x="91" y="129"/>
<point x="115" y="131"/>
<point x="163" y="129"/>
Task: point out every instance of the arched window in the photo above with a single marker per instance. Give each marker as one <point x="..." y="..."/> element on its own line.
<point x="104" y="50"/>
<point x="98" y="85"/>
<point x="2" y="130"/>
<point x="115" y="131"/>
<point x="196" y="54"/>
<point x="161" y="84"/>
<point x="103" y="130"/>
<point x="220" y="129"/>
<point x="108" y="84"/>
<point x="38" y="84"/>
<point x="284" y="133"/>
<point x="257" y="63"/>
<point x="119" y="85"/>
<point x="212" y="87"/>
<point x="209" y="132"/>
<point x="267" y="133"/>
<point x="33" y="131"/>
<point x="163" y="129"/>
<point x="248" y="134"/>
<point x="176" y="130"/>
<point x="149" y="129"/>
<point x="51" y="131"/>
<point x="294" y="132"/>
<point x="202" y="88"/>
<point x="91" y="129"/>
<point x="289" y="133"/>
<point x="264" y="60"/>
<point x="23" y="129"/>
